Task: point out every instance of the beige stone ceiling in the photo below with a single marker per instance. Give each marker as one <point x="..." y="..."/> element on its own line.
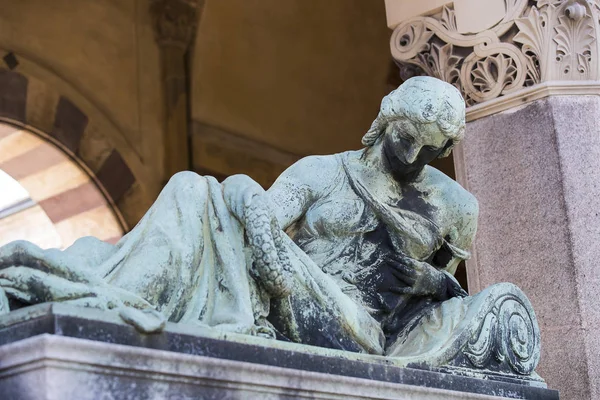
<point x="305" y="77"/>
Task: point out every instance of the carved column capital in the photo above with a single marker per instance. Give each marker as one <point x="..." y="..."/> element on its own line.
<point x="538" y="48"/>
<point x="175" y="21"/>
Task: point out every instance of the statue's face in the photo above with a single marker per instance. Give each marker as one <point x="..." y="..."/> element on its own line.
<point x="408" y="147"/>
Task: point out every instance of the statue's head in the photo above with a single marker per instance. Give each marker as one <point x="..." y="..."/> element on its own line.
<point x="421" y="120"/>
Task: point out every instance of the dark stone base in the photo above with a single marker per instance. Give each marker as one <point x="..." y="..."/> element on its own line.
<point x="73" y="322"/>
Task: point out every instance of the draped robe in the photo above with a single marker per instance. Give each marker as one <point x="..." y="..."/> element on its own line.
<point x="189" y="260"/>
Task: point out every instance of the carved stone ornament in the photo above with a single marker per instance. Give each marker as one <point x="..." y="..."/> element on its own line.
<point x="537" y="41"/>
<point x="175" y="21"/>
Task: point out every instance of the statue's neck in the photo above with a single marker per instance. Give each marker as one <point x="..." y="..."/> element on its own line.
<point x="374" y="158"/>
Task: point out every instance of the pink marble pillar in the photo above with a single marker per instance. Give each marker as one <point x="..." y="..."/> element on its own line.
<point x="535" y="170"/>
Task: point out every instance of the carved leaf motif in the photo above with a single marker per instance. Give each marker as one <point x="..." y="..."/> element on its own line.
<point x="448" y="19"/>
<point x="414" y="35"/>
<point x="544" y="3"/>
<point x="533" y="33"/>
<point x="583" y="63"/>
<point x="440" y="62"/>
<point x="574" y="39"/>
<point x="573" y="36"/>
<point x="513" y="9"/>
<point x="511" y="5"/>
<point x="493" y="73"/>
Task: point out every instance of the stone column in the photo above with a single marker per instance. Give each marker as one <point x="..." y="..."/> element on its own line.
<point x="175" y="24"/>
<point x="530" y="74"/>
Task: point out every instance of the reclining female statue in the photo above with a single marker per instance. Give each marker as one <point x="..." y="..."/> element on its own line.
<point x="353" y="251"/>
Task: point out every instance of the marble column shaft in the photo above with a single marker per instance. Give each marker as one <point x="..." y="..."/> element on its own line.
<point x="536" y="172"/>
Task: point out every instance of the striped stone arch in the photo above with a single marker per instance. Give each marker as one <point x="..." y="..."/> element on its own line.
<point x="46" y="197"/>
<point x="27" y="101"/>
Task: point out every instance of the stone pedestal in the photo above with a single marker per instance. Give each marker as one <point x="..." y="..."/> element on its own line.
<point x="536" y="173"/>
<point x="58" y="352"/>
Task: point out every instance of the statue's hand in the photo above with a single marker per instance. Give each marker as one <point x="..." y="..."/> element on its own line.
<point x="249" y="203"/>
<point x="271" y="265"/>
<point x="423" y="279"/>
<point x="238" y="192"/>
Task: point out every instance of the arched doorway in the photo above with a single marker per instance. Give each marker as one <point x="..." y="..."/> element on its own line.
<point x="46" y="197"/>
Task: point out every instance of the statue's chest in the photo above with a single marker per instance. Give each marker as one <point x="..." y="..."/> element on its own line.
<point x="412" y="229"/>
<point x="340" y="216"/>
<point x="416" y="198"/>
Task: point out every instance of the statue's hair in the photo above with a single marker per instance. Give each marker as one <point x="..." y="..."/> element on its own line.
<point x="422" y="100"/>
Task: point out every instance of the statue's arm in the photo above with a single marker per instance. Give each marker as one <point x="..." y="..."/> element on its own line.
<point x="466" y="227"/>
<point x="298" y="187"/>
<point x="436" y="279"/>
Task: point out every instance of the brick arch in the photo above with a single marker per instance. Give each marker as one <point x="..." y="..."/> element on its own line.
<point x="26" y="100"/>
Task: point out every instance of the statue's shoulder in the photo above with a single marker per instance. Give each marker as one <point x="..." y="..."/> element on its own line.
<point x="453" y="193"/>
<point x="318" y="167"/>
<point x="316" y="162"/>
<point x="315" y="173"/>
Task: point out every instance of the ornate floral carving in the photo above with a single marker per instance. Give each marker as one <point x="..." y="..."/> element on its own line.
<point x="536" y="41"/>
<point x="574" y="39"/>
<point x="534" y="32"/>
<point x="412" y="39"/>
<point x="493" y="74"/>
<point x="175" y="20"/>
<point x="448" y="19"/>
<point x="440" y="62"/>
